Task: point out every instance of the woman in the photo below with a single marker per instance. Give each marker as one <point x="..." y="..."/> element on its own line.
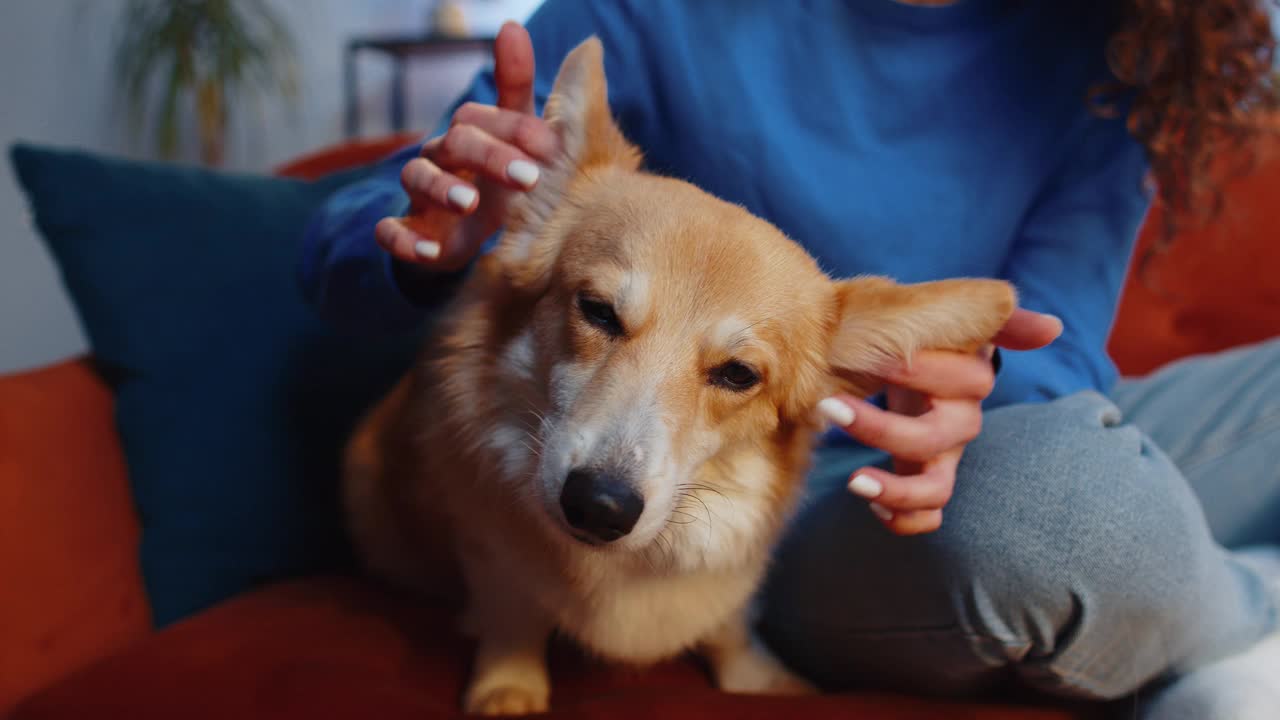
<point x="1083" y="549"/>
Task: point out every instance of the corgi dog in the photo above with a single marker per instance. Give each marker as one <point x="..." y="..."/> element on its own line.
<point x="612" y="423"/>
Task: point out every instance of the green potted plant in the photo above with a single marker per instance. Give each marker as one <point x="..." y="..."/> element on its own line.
<point x="172" y="55"/>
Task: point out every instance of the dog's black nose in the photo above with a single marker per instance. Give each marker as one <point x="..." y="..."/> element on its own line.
<point x="600" y="505"/>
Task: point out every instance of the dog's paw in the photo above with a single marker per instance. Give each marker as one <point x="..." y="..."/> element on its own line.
<point x="507" y="700"/>
<point x="759" y="673"/>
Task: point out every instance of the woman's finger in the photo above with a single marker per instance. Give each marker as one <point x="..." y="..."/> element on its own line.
<point x="916" y="522"/>
<point x="943" y="374"/>
<point x="428" y="186"/>
<point x="947" y="425"/>
<point x="929" y="490"/>
<point x="1028" y="330"/>
<point x="403" y="243"/>
<point x="526" y="132"/>
<point x="467" y="147"/>
<point x="513" y="68"/>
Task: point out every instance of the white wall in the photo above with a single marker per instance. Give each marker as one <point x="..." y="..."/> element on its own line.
<point x="56" y="87"/>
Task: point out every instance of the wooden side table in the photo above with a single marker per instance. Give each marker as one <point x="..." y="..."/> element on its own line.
<point x="400" y="48"/>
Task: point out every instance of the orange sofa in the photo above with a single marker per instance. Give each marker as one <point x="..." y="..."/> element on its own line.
<point x="75" y="636"/>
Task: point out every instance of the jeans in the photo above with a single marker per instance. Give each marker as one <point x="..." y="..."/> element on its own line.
<point x="1088" y="550"/>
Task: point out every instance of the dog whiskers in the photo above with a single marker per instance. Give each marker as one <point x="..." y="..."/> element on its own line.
<point x="677" y="511"/>
<point x="705" y="508"/>
<point x="702" y="486"/>
<point x="664" y="543"/>
<point x="542" y="419"/>
<point x="691" y="490"/>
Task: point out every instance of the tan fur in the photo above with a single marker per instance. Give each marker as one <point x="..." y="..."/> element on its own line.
<point x="466" y="458"/>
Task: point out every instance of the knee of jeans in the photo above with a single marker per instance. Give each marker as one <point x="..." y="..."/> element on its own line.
<point x="1064" y="516"/>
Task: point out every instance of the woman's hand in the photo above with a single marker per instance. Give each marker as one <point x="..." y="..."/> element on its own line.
<point x="461" y="184"/>
<point x="934" y="411"/>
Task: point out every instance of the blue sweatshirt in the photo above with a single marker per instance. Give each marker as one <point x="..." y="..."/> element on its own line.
<point x="914" y="142"/>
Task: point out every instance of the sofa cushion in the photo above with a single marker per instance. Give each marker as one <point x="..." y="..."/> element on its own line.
<point x="232" y="398"/>
<point x="334" y="647"/>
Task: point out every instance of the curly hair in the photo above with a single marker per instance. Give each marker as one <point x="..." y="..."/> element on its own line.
<point x="1202" y="85"/>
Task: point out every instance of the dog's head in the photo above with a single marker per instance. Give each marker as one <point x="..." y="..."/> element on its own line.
<point x="681" y="343"/>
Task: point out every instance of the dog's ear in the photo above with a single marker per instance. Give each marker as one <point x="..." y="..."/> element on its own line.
<point x="882" y="323"/>
<point x="578" y="111"/>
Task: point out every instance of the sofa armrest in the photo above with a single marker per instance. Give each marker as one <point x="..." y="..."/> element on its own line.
<point x="71" y="589"/>
<point x="346" y="156"/>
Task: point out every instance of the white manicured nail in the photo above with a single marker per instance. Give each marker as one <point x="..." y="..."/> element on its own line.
<point x="523" y="172"/>
<point x="426" y="249"/>
<point x="866" y="486"/>
<point x="836" y="411"/>
<point x="461" y="196"/>
<point x="881" y="511"/>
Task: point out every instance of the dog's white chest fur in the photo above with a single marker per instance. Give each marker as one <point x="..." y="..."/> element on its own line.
<point x="649" y="618"/>
<point x="631" y="616"/>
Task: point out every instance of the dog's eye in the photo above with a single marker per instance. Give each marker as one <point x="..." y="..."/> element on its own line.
<point x="600" y="314"/>
<point x="734" y="375"/>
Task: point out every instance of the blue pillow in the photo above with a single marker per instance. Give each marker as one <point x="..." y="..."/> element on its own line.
<point x="232" y="398"/>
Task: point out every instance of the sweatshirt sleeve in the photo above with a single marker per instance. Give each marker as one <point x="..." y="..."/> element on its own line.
<point x="1070" y="259"/>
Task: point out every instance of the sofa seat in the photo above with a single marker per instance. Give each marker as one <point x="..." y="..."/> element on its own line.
<point x="329" y="647"/>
